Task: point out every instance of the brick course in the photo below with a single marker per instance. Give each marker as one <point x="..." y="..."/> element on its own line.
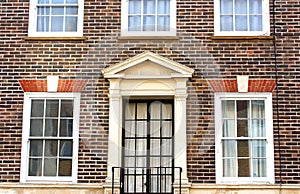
<point x="212" y="59"/>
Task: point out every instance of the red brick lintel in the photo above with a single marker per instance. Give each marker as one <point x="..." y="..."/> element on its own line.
<point x="254" y="85"/>
<point x="73" y="85"/>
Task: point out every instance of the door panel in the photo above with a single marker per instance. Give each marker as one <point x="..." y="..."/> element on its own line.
<point x="147" y="147"/>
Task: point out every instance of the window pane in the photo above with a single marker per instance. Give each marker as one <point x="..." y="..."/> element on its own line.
<point x="129" y="147"/>
<point x="52" y="108"/>
<point x="43" y="1"/>
<point x="58" y="1"/>
<point x="66" y="128"/>
<point x="242" y="128"/>
<point x="155" y="110"/>
<point x="130" y="111"/>
<point x="226" y="23"/>
<point x="258" y="128"/>
<point x="66" y="108"/>
<point x="141" y="130"/>
<point x="149" y="23"/>
<point x="163" y="6"/>
<point x="229" y="149"/>
<point x="155" y="128"/>
<point x="134" y="23"/>
<point x="241" y="23"/>
<point x="258" y="148"/>
<point x="141" y="147"/>
<point x="259" y="168"/>
<point x="71" y="24"/>
<point x="226" y="6"/>
<point x="66" y="148"/>
<point x="255" y="6"/>
<point x="167" y="111"/>
<point x="57" y="11"/>
<point x="50" y="167"/>
<point x="72" y="10"/>
<point x="256" y="23"/>
<point x="149" y="6"/>
<point x="71" y="1"/>
<point x="43" y="10"/>
<point x="42" y="24"/>
<point x="258" y="108"/>
<point x="228" y="128"/>
<point x="244" y="168"/>
<point x="51" y="148"/>
<point x="228" y="109"/>
<point x="135" y="7"/>
<point x="36" y="127"/>
<point x="242" y="108"/>
<point x="57" y="23"/>
<point x="51" y="126"/>
<point x="35" y="167"/>
<point x="166" y="129"/>
<point x="166" y="147"/>
<point x="37" y="108"/>
<point x="163" y="23"/>
<point x="36" y="148"/>
<point x="65" y="167"/>
<point x="141" y="111"/>
<point x="243" y="148"/>
<point x="155" y="147"/>
<point x="130" y="128"/>
<point x="229" y="168"/>
<point x="240" y="6"/>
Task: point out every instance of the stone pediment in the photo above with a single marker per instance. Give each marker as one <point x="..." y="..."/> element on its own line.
<point x="148" y="66"/>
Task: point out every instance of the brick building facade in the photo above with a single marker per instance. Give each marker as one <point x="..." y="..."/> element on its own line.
<point x="76" y="76"/>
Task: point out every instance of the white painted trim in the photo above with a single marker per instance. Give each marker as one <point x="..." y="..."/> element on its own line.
<point x="33" y="21"/>
<point x="124" y="23"/>
<point x="266" y="22"/>
<point x="270" y="179"/>
<point x="24" y="178"/>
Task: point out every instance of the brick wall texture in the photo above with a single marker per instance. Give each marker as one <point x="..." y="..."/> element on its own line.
<point x="210" y="58"/>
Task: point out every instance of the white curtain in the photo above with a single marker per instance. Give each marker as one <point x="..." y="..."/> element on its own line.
<point x="151" y="15"/>
<point x="246" y="15"/>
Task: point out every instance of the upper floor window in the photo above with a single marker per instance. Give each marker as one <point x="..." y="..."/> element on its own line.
<point x="56" y="18"/>
<point x="242" y="17"/>
<point x="244" y="138"/>
<point x="50" y="137"/>
<point x="148" y="18"/>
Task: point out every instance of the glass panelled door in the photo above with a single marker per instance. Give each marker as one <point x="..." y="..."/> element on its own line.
<point x="147" y="147"/>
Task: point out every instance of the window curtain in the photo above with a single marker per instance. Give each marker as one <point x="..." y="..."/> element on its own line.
<point x="149" y="15"/>
<point x="241" y="15"/>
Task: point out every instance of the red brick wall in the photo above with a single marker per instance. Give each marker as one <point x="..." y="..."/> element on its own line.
<point x="211" y="59"/>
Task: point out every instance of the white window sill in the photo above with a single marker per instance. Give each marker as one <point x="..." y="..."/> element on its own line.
<point x="148" y="37"/>
<point x="55" y="38"/>
<point x="242" y="37"/>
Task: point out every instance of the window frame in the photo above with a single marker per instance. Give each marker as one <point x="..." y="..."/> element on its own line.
<point x="124" y="22"/>
<point x="24" y="177"/>
<point x="267" y="97"/>
<point x="32" y="32"/>
<point x="265" y="22"/>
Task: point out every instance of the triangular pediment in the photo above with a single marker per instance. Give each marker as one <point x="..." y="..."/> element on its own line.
<point x="147" y="65"/>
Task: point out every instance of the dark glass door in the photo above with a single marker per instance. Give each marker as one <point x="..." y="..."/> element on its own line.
<point x="147" y="156"/>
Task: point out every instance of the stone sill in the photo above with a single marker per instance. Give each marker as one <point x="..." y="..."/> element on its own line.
<point x="148" y="37"/>
<point x="242" y="37"/>
<point x="54" y="38"/>
<point x="245" y="186"/>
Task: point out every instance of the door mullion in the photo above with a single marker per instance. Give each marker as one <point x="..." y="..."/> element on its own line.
<point x="148" y="170"/>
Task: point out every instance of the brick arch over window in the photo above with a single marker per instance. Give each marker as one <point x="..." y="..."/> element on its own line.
<point x="231" y="85"/>
<point x="43" y="85"/>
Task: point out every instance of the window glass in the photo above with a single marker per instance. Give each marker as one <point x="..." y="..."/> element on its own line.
<point x="241" y="16"/>
<point x="244" y="138"/>
<point x="56" y="123"/>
